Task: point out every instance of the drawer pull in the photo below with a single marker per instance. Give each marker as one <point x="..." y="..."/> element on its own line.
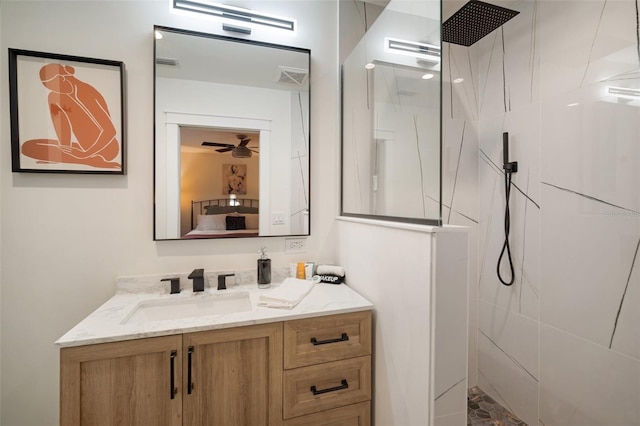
<point x="342" y="338"/>
<point x="344" y="385"/>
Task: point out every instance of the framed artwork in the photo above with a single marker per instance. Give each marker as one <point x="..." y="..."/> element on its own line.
<point x="234" y="179"/>
<point x="67" y="114"/>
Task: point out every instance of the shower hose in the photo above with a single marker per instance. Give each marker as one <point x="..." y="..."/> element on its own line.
<point x="507" y="219"/>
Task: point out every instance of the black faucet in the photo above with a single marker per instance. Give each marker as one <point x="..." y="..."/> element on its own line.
<point x="198" y="279"/>
<point x="175" y="284"/>
<point x="222" y="281"/>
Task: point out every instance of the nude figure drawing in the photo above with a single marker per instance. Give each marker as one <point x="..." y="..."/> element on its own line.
<point x="83" y="126"/>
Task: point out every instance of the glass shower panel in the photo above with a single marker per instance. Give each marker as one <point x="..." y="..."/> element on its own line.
<point x="391" y="90"/>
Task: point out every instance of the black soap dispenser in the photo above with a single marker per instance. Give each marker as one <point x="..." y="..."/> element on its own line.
<point x="264" y="269"/>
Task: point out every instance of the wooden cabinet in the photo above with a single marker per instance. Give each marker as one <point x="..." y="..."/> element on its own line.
<point x="233" y="376"/>
<point x="124" y="383"/>
<point x="327" y="363"/>
<point x="314" y="372"/>
<point x="222" y="377"/>
<point x="351" y="415"/>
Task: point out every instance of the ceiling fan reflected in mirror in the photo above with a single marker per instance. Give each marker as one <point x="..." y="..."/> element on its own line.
<point x="238" y="151"/>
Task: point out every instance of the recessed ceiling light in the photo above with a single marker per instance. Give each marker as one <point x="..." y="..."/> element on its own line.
<point x="370" y="66"/>
<point x="158" y="35"/>
<point x="427" y="76"/>
<point x="458" y="80"/>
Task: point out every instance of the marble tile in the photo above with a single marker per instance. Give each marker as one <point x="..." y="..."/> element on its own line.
<point x="514" y="334"/>
<point x="450" y="346"/>
<point x="506" y="381"/>
<point x="585" y="384"/>
<point x="574" y="208"/>
<point x="460" y="172"/>
<point x="591" y="284"/>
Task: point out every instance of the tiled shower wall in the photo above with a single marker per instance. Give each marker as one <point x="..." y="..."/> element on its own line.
<point x="562" y="345"/>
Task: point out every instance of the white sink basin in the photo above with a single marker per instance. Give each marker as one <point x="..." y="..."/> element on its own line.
<point x="191" y="307"/>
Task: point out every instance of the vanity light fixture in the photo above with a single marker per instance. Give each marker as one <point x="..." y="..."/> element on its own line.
<point x="167" y="61"/>
<point x="624" y="92"/>
<point x="422" y="51"/>
<point x="247" y="16"/>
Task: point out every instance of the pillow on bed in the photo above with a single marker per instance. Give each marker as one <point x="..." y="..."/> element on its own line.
<point x="246" y="209"/>
<point x="235" y="222"/>
<point x="215" y="222"/>
<point x="220" y="209"/>
<point x="252" y="221"/>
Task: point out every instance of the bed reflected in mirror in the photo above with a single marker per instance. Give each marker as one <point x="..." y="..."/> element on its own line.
<point x="219" y="183"/>
<point x="231" y="137"/>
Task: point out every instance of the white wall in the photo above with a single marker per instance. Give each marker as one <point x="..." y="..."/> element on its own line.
<point x="65" y="237"/>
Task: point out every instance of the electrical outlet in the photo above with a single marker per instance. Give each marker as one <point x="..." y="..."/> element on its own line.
<point x="277" y="218"/>
<point x="295" y="245"/>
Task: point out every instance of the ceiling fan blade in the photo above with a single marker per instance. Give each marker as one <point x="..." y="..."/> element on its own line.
<point x="224" y="149"/>
<point x="254" y="150"/>
<point x="244" y="142"/>
<point x="226" y="145"/>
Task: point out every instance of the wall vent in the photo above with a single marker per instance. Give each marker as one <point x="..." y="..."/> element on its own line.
<point x="290" y="75"/>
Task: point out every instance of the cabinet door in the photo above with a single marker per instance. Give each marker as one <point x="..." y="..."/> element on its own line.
<point x="126" y="383"/>
<point x="233" y="376"/>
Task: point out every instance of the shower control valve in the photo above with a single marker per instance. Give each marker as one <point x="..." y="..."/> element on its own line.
<point x="511" y="167"/>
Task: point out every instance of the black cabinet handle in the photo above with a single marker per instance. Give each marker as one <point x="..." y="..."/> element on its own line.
<point x="189" y="382"/>
<point x="343" y="338"/>
<point x="344" y="385"/>
<point x="174" y="390"/>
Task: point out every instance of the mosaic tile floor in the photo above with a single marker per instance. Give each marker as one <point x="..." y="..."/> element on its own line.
<point x="482" y="410"/>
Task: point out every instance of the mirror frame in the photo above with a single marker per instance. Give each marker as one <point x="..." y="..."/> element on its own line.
<point x="307" y="184"/>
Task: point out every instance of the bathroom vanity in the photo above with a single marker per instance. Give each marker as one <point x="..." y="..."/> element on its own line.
<point x="310" y="365"/>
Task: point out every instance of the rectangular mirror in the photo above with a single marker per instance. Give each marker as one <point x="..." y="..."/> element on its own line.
<point x="391" y="90"/>
<point x="231" y="152"/>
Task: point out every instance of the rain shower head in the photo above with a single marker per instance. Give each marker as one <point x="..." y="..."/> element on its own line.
<point x="473" y="21"/>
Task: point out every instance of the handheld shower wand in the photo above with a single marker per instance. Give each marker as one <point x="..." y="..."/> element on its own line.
<point x="509" y="168"/>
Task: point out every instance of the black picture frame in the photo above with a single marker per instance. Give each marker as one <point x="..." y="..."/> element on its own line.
<point x="67" y="114"/>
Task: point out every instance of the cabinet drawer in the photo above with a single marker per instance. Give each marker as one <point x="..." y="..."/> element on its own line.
<point x="326" y="386"/>
<point x="323" y="339"/>
<point x="351" y="415"/>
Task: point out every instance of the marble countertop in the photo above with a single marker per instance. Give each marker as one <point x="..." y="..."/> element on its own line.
<point x="109" y="323"/>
